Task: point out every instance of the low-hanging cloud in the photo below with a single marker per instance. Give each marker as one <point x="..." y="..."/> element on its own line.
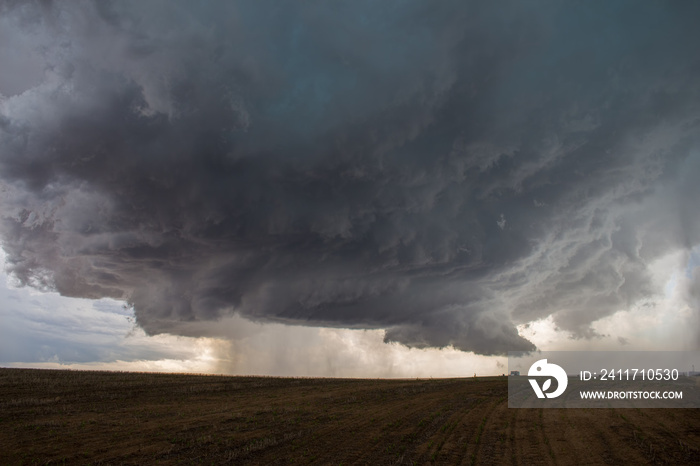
<point x="442" y="171"/>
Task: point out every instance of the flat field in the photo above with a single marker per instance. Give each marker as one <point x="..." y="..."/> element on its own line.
<point x="53" y="417"/>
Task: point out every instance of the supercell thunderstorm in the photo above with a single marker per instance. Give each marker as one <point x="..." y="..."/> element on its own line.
<point x="442" y="171"/>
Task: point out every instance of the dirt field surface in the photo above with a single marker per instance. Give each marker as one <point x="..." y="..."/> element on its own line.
<point x="56" y="417"/>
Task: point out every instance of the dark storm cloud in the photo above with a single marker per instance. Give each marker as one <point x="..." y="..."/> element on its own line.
<point x="441" y="170"/>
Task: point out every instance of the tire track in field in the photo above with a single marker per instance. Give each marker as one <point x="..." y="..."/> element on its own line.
<point x="297" y="421"/>
<point x="385" y="446"/>
<point x="449" y="444"/>
<point x="428" y="435"/>
<point x="488" y="445"/>
<point x="381" y="431"/>
<point x="511" y="437"/>
<point x="592" y="437"/>
<point x="529" y="439"/>
<point x="663" y="417"/>
<point x="658" y="440"/>
<point x="474" y="426"/>
<point x="430" y="441"/>
<point x="446" y="445"/>
<point x="529" y="443"/>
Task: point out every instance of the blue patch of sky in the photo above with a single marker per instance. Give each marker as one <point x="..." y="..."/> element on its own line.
<point x="693" y="261"/>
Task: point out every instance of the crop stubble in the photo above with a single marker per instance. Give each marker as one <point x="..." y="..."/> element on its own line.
<point x="135" y="418"/>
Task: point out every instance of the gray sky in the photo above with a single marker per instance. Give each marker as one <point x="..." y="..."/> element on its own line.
<point x="401" y="175"/>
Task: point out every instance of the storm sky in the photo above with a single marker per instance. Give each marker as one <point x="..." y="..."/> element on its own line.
<point x="446" y="174"/>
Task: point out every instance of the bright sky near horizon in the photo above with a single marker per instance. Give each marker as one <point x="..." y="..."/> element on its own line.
<point x="46" y="330"/>
<point x="403" y="189"/>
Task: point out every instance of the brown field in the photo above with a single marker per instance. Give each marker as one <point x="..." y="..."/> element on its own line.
<point x="127" y="418"/>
